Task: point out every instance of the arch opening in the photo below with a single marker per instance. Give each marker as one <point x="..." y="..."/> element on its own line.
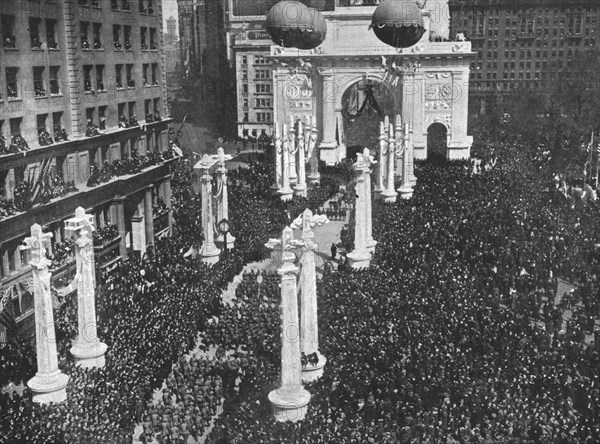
<point x="437" y="141"/>
<point x="365" y="104"/>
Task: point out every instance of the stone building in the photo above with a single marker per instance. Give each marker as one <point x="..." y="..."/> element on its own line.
<point x="427" y="82"/>
<point x="84" y="123"/>
<point x="523" y="44"/>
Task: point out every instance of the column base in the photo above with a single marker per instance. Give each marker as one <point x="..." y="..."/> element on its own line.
<point x="406" y="191"/>
<point x="312" y="373"/>
<point x="219" y="241"/>
<point x="286" y="194"/>
<point x="300" y="190"/>
<point x="314" y="178"/>
<point x="359" y="259"/>
<point x="89" y="355"/>
<point x="371" y="244"/>
<point x="274" y="188"/>
<point x="389" y="196"/>
<point x="49" y="387"/>
<point x="210" y="253"/>
<point x="289" y="405"/>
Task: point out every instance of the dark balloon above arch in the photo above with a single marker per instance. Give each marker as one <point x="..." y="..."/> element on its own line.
<point x="291" y="24"/>
<point x="398" y="23"/>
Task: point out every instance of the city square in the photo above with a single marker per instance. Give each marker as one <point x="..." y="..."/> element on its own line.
<point x="329" y="221"/>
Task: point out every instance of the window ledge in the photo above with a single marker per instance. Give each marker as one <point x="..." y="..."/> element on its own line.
<point x="57" y="95"/>
<point x="14" y="99"/>
<point x="11" y="49"/>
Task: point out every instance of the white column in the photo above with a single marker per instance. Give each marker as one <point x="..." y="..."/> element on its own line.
<point x="389" y="195"/>
<point x="87" y="349"/>
<point x="223" y="199"/>
<point x="285" y="191"/>
<point x="408" y="179"/>
<point x="290" y="400"/>
<point x="49" y="383"/>
<point x="383" y="148"/>
<point x="399" y="147"/>
<point x="360" y="256"/>
<point x="293" y="150"/>
<point x="209" y="251"/>
<point x="301" y="185"/>
<point x="278" y="154"/>
<point x="313" y="153"/>
<point x="328" y="146"/>
<point x="309" y="328"/>
<point x="370" y="242"/>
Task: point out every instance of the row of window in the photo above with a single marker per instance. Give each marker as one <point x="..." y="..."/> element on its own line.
<point x="261" y="102"/>
<point x="148" y="37"/>
<point x="571" y="20"/>
<point x="263" y="117"/>
<point x="53" y="123"/>
<point x="258" y="60"/>
<point x="93" y="79"/>
<point x="90" y="35"/>
<point x="520" y="75"/>
<point x="260" y="74"/>
<point x="145" y="6"/>
<point x="260" y="88"/>
<point x="578" y="42"/>
<point x="37" y="29"/>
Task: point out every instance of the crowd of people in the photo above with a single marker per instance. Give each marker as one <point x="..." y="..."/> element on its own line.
<point x="149" y="313"/>
<point x="457" y="333"/>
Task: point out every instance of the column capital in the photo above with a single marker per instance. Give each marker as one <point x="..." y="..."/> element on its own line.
<point x="119" y="199"/>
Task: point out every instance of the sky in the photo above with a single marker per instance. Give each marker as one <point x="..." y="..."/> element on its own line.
<point x="169" y="9"/>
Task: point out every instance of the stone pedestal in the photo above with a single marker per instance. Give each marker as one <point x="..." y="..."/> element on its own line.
<point x="301" y="187"/>
<point x="360" y="257"/>
<point x="313" y="155"/>
<point x="285" y="192"/>
<point x="408" y="179"/>
<point x="87" y="349"/>
<point x="49" y="383"/>
<point x="293" y="152"/>
<point x="278" y="160"/>
<point x="290" y="400"/>
<point x="209" y="251"/>
<point x="389" y="195"/>
<point x="223" y="199"/>
<point x="309" y="326"/>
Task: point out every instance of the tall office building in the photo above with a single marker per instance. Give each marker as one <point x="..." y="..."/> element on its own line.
<point x="83" y="123"/>
<point x="521" y="44"/>
<point x="184" y="11"/>
<point x="171" y="27"/>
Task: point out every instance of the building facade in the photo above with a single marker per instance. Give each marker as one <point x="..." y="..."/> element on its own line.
<point x="83" y="122"/>
<point x="522" y="44"/>
<point x="208" y="52"/>
<point x="427" y="83"/>
<point x="184" y="11"/>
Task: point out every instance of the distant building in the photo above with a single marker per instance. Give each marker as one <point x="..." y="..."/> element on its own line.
<point x="521" y="44"/>
<point x="77" y="95"/>
<point x="184" y="10"/>
<point x="171" y="27"/>
<point x="249" y="47"/>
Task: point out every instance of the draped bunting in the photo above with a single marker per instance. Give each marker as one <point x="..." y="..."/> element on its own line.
<point x="369" y="101"/>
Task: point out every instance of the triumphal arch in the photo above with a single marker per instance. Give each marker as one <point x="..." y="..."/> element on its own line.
<point x="428" y="81"/>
